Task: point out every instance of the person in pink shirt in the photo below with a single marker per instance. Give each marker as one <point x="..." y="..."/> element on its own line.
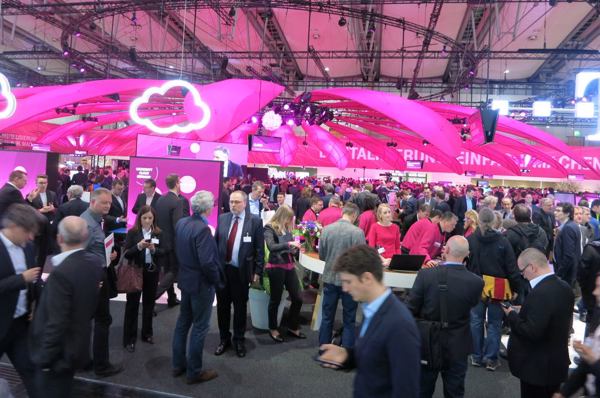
<point x="331" y="214"/>
<point x="385" y="236"/>
<point x="431" y="241"/>
<point x="316" y="205"/>
<point x="367" y="218"/>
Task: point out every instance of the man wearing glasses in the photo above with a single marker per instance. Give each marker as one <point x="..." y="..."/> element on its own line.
<point x="538" y="346"/>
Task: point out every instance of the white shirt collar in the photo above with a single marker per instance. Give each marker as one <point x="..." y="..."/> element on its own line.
<point x="59" y="258"/>
<point x="7" y="242"/>
<point x="534" y="282"/>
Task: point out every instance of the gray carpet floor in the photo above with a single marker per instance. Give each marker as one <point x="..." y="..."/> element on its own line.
<point x="269" y="369"/>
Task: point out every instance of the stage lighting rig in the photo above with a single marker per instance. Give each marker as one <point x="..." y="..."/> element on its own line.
<point x="342" y="21"/>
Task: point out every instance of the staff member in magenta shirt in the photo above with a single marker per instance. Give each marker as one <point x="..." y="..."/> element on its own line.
<point x="331" y="214"/>
<point x="385" y="236"/>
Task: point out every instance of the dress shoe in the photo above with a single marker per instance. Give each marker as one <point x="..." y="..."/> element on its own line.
<point x="277" y="339"/>
<point x="173" y="302"/>
<point x="178" y="372"/>
<point x="110" y="370"/>
<point x="130" y="347"/>
<point x="222" y="347"/>
<point x="298" y="335"/>
<point x="240" y="349"/>
<point x="203" y="376"/>
<point x="148" y="340"/>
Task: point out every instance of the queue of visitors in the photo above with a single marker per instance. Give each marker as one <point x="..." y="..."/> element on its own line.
<point x="490" y="256"/>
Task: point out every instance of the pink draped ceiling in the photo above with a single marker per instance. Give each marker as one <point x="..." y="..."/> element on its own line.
<point x="368" y="119"/>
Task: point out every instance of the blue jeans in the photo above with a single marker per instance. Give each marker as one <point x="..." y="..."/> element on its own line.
<point x="486" y="349"/>
<point x="331" y="295"/>
<point x="194" y="312"/>
<point x="453" y="376"/>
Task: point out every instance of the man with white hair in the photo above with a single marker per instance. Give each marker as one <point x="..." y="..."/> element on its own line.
<point x="74" y="207"/>
<point x="199" y="277"/>
<point x="61" y="328"/>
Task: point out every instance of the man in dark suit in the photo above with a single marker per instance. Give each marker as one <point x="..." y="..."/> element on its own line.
<point x="45" y="202"/>
<point x="567" y="246"/>
<point x="241" y="245"/>
<point x="386" y="354"/>
<point x="225" y="192"/>
<point x="231" y="169"/>
<point x="427" y="198"/>
<point x="200" y="275"/>
<point x="74" y="207"/>
<point x="61" y="328"/>
<point x="148" y="198"/>
<point x="117" y="215"/>
<point x="17" y="276"/>
<point x="169" y="210"/>
<point x="538" y="347"/>
<point x="462" y="204"/>
<point x="11" y="191"/>
<point x="463" y="293"/>
<point x="79" y="178"/>
<point x="544" y="217"/>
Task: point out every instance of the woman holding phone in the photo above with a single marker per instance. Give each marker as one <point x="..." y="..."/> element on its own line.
<point x="142" y="249"/>
<point x="282" y="272"/>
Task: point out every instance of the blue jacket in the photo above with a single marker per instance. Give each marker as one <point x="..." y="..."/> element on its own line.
<point x="388" y="356"/>
<point x="197" y="254"/>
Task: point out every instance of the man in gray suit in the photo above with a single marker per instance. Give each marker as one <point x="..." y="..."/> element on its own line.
<point x="335" y="239"/>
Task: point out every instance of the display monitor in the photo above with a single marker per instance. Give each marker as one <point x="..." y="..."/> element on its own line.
<point x="564" y="197"/>
<point x="264" y="143"/>
<point x="194" y="175"/>
<point x="414" y="165"/>
<point x="33" y="163"/>
<point x="483" y="183"/>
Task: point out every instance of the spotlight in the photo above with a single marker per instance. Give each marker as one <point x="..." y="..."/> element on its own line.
<point x="65" y="53"/>
<point x="349" y="144"/>
<point x="304" y="143"/>
<point x="290" y="122"/>
<point x="77" y="34"/>
<point x="342" y="21"/>
<point x="82" y="70"/>
<point x="232" y="12"/>
<point x="286" y="107"/>
<point x="305" y="97"/>
<point x="307" y="110"/>
<point x="425" y="142"/>
<point x="254" y="119"/>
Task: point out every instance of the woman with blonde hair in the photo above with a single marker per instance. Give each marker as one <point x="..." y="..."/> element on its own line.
<point x="282" y="272"/>
<point x="385" y="235"/>
<point x="471" y="221"/>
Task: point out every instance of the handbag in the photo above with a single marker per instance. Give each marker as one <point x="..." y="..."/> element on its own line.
<point x="129" y="276"/>
<point x="431" y="331"/>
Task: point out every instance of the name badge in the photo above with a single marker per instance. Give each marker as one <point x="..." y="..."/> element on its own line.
<point x="247" y="239"/>
<point x="154" y="241"/>
<point x="381" y="250"/>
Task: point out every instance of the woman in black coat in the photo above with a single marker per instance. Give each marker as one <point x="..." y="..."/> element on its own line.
<point x="282" y="272"/>
<point x="142" y="248"/>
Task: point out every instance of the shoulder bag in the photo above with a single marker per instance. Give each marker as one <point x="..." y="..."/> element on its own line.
<point x="129" y="276"/>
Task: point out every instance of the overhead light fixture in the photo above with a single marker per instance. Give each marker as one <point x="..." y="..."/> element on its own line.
<point x="584" y="110"/>
<point x="342" y="21"/>
<point x="506" y="71"/>
<point x="501" y="106"/>
<point x="327" y="69"/>
<point x="232" y="12"/>
<point x="542" y="109"/>
<point x="271" y="121"/>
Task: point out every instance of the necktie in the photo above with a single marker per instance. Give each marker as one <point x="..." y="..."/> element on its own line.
<point x="231" y="239"/>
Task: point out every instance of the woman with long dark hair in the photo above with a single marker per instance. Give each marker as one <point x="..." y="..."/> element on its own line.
<point x="142" y="248"/>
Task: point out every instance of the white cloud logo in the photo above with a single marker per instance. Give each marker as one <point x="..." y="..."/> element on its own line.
<point x="145" y="98"/>
<point x="11" y="101"/>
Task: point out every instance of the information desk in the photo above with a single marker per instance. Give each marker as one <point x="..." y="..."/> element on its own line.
<point x="311" y="262"/>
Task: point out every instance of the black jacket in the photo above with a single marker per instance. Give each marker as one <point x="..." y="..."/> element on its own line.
<point x="538" y="347"/>
<point x="138" y="257"/>
<point x="38" y="204"/>
<point x="526" y="235"/>
<point x="491" y="254"/>
<point x="279" y="250"/>
<point x="116" y="210"/>
<point x="567" y="251"/>
<point x="300" y="207"/>
<point x="141" y="201"/>
<point x="587" y="273"/>
<point x="8" y="196"/>
<point x="464" y="292"/>
<point x="74" y="207"/>
<point x="61" y="328"/>
<point x="169" y="210"/>
<point x="546" y="221"/>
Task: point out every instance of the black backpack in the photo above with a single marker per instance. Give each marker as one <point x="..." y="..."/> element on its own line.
<point x="526" y="242"/>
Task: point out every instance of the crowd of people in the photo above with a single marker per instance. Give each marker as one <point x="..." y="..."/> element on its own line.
<point x="501" y="256"/>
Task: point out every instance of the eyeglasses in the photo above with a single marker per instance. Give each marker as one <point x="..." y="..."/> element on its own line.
<point x="523" y="270"/>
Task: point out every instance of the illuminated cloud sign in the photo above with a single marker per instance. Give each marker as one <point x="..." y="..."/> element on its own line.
<point x="162" y="90"/>
<point x="9" y="97"/>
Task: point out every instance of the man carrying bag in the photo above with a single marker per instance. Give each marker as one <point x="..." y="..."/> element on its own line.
<point x="445" y="338"/>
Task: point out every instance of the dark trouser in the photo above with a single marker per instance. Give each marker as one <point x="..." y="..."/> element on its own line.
<point x="195" y="314"/>
<point x="278" y="277"/>
<point x="50" y="384"/>
<point x="531" y="391"/>
<point x="14" y="344"/>
<point x="331" y="295"/>
<point x="148" y="294"/>
<point x="453" y="377"/>
<point x="235" y="292"/>
<point x="169" y="277"/>
<point x="102" y="321"/>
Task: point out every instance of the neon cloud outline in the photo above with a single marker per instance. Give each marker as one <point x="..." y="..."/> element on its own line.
<point x="11" y="100"/>
<point x="206" y="114"/>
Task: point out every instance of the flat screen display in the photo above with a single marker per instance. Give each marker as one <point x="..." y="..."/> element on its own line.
<point x="33" y="163"/>
<point x="470" y="173"/>
<point x="564" y="197"/>
<point x="414" y="164"/>
<point x="235" y="155"/>
<point x="195" y="175"/>
<point x="263" y="143"/>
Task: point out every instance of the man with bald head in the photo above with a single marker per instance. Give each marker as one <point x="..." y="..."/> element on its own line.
<point x="61" y="328"/>
<point x="452" y="283"/>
